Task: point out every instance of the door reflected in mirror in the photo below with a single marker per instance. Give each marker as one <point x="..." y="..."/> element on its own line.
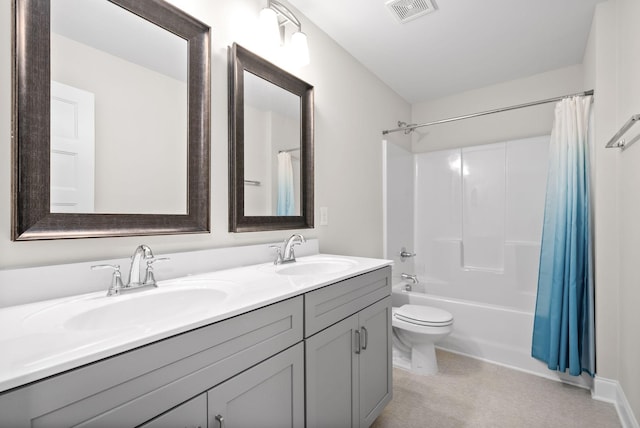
<point x="119" y="112"/>
<point x="271" y="149"/>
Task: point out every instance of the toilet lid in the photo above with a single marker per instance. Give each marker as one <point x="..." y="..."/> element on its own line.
<point x="424" y="315"/>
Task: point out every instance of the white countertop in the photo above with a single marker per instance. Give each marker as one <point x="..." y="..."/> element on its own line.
<point x="38" y="340"/>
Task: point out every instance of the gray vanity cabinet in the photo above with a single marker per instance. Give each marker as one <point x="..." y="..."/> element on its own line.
<point x="327" y="352"/>
<point x="270" y="394"/>
<point x="348" y="363"/>
<point x="150" y="384"/>
<point x="192" y="414"/>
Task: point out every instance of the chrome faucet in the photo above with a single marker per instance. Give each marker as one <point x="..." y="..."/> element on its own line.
<point x="286" y="254"/>
<point x="408" y="277"/>
<point x="143" y="252"/>
<point x="412" y="278"/>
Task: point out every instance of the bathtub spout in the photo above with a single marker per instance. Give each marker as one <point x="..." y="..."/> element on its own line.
<point x="412" y="278"/>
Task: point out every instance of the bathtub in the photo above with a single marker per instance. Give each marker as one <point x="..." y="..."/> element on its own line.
<point x="494" y="333"/>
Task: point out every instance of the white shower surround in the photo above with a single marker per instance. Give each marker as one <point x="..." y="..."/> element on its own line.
<point x="475" y="224"/>
<point x="478" y="221"/>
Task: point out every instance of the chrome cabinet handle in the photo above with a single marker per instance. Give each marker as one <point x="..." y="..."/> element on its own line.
<point x="358" y="345"/>
<point x="365" y="337"/>
<point x="220" y="420"/>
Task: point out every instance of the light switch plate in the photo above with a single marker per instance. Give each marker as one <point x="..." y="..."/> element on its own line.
<point x="324" y="216"/>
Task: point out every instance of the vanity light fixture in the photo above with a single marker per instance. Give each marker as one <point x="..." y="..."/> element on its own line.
<point x="273" y="20"/>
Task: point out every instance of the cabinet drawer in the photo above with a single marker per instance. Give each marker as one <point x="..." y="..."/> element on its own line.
<point x="192" y="414"/>
<point x="133" y="387"/>
<point x="335" y="302"/>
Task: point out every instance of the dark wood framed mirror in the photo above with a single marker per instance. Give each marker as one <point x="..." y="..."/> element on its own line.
<point x="271" y="170"/>
<point x="34" y="214"/>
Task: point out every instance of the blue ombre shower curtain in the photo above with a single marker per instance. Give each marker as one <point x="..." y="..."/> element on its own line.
<point x="286" y="197"/>
<point x="563" y="330"/>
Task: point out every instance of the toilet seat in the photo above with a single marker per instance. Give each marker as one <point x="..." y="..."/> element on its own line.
<point x="423" y="315"/>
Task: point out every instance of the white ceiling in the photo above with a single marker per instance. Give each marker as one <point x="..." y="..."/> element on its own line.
<point x="465" y="44"/>
<point x="114" y="30"/>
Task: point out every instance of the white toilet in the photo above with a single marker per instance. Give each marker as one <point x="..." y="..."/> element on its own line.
<point x="416" y="329"/>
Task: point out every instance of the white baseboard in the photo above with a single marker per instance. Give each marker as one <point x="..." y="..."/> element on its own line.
<point x="602" y="389"/>
<point x="610" y="391"/>
<point x="516" y="358"/>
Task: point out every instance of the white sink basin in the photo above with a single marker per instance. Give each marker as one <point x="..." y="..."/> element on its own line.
<point x="171" y="303"/>
<point x="145" y="308"/>
<point x="316" y="267"/>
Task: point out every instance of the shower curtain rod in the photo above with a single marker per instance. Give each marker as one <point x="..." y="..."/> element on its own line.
<point x="410" y="127"/>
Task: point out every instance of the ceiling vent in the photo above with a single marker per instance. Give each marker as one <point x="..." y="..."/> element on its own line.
<point x="406" y="10"/>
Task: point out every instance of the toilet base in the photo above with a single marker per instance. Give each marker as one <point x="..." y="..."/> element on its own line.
<point x="401" y="360"/>
<point x="421" y="360"/>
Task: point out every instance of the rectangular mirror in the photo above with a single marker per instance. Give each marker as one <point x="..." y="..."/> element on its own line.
<point x="118" y="85"/>
<point x="270" y="146"/>
<point x="111" y="119"/>
<point x="271" y="149"/>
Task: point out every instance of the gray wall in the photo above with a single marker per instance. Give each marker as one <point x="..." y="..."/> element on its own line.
<point x="352" y="106"/>
<point x="511" y="125"/>
<point x="612" y="65"/>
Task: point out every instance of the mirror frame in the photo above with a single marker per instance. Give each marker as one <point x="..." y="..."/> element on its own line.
<point x="241" y="60"/>
<point x="31" y="216"/>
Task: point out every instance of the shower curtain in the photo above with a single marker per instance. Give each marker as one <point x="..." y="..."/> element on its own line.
<point x="286" y="198"/>
<point x="563" y="331"/>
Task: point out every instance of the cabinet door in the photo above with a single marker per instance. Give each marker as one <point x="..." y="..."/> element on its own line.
<point x="375" y="360"/>
<point x="270" y="394"/>
<point x="192" y="414"/>
<point x="332" y="376"/>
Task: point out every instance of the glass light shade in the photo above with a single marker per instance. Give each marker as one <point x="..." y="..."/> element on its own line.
<point x="300" y="48"/>
<point x="269" y="28"/>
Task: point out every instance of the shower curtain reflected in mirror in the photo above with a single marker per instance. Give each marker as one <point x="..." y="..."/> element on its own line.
<point x="563" y="333"/>
<point x="286" y="195"/>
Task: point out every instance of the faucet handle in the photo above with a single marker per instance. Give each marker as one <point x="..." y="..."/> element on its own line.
<point x="278" y="259"/>
<point x="116" y="279"/>
<point x="404" y="254"/>
<point x="149" y="276"/>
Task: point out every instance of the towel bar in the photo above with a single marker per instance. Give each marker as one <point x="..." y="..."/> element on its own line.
<point x="618" y="141"/>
